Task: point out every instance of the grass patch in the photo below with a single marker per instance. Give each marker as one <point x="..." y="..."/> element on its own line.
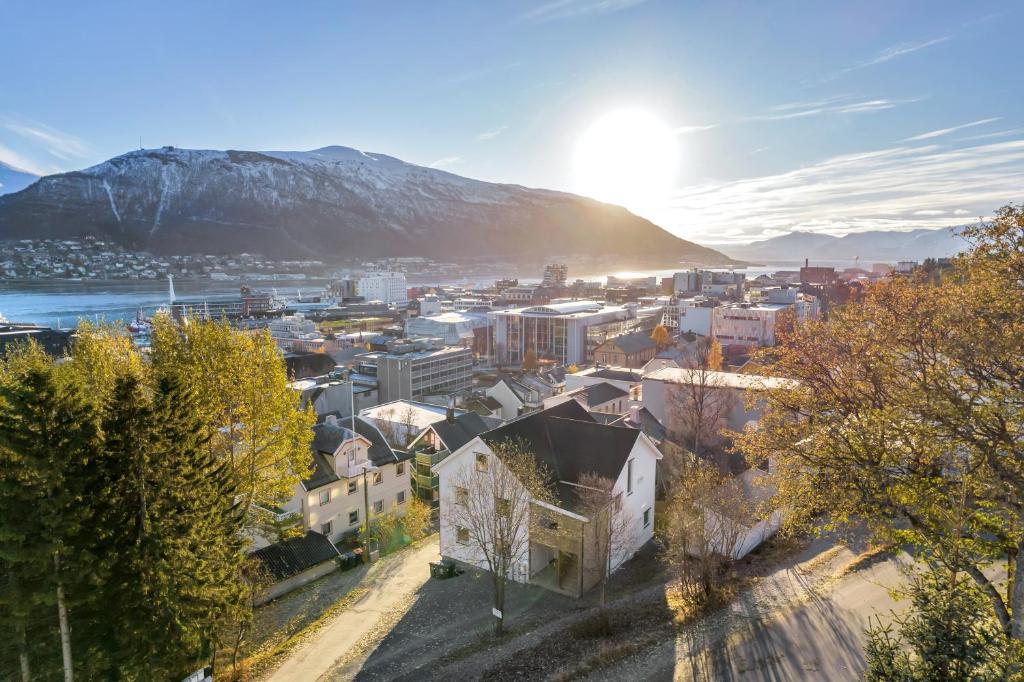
<point x="594" y="640"/>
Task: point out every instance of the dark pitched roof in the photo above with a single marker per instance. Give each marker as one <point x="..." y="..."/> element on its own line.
<point x="323" y="472"/>
<point x="583" y="447"/>
<point x="466" y="427"/>
<point x="567" y="441"/>
<point x="380" y="452"/>
<point x="532" y="428"/>
<point x="606" y="418"/>
<point x="650" y="425"/>
<point x="491" y="402"/>
<point x="635" y="342"/>
<point x="327" y="438"/>
<point x="293" y="556"/>
<point x="618" y="375"/>
<point x="598" y="394"/>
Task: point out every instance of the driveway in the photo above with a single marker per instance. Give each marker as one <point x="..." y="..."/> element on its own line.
<point x="787" y="629"/>
<point x="392" y="582"/>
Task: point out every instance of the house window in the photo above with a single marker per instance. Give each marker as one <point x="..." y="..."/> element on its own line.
<point x="325" y="497"/>
<point x="462" y="535"/>
<point x="647" y="517"/>
<point x="481" y="462"/>
<point x="325" y="528"/>
<point x="399" y="468"/>
<point x="461" y="495"/>
<point x="378" y="477"/>
<point x="353" y="517"/>
<point x="502" y="506"/>
<point x="629" y="477"/>
<point x="400" y="497"/>
<point x="353" y="485"/>
<point x="378" y="506"/>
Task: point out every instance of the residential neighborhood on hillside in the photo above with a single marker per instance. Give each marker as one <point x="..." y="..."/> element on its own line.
<point x="512" y="341"/>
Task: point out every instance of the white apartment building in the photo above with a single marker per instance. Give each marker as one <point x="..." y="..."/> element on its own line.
<point x="389" y="287"/>
<point x="331" y="500"/>
<point x="742" y="327"/>
<point x="690" y="315"/>
<point x="559" y="552"/>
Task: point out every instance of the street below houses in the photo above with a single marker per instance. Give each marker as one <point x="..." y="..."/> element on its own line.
<point x="804" y="619"/>
<point x="797" y="624"/>
<point x="391" y="583"/>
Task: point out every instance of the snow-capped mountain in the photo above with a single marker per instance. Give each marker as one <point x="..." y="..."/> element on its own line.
<point x="882" y="245"/>
<point x="334" y="201"/>
<point x="14" y="179"/>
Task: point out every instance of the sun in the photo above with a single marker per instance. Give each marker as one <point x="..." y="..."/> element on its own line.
<point x="627" y="157"/>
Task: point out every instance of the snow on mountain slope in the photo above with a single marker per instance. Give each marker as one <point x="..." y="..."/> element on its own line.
<point x="332" y="201"/>
<point x="14" y="179"/>
<point x="883" y="245"/>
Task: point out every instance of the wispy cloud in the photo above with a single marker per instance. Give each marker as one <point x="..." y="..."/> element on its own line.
<point x="901" y="187"/>
<point x="947" y="131"/>
<point x="687" y="130"/>
<point x="895" y="51"/>
<point x="887" y="55"/>
<point x="836" y="105"/>
<point x="565" y="9"/>
<point x="491" y="134"/>
<point x="61" y="145"/>
<point x="989" y="136"/>
<point x="18" y="162"/>
<point x="446" y="161"/>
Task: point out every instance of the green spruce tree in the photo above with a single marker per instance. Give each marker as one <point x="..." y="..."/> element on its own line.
<point x="49" y="442"/>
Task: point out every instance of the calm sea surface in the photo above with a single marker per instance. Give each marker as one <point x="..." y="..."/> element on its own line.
<point x="65" y="303"/>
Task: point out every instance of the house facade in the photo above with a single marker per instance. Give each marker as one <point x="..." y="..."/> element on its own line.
<point x="562" y="536"/>
<point x="629" y="350"/>
<point x="355" y="477"/>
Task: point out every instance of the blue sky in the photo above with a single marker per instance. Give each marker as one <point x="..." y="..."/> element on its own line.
<point x="829" y="116"/>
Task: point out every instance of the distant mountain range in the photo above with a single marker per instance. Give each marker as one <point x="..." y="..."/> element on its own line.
<point x="328" y="202"/>
<point x="877" y="245"/>
<point x="14" y="179"/>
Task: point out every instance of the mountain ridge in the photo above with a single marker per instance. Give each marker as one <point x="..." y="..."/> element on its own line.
<point x="881" y="245"/>
<point x="13" y="179"/>
<point x="329" y="201"/>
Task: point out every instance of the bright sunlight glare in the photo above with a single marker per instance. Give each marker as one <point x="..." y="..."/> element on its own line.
<point x="627" y="157"/>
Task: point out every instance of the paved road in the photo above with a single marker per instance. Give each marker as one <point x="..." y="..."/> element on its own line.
<point x="391" y="583"/>
<point x="820" y="638"/>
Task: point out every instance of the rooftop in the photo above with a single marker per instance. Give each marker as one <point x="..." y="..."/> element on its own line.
<point x="295" y="555"/>
<point x="599" y="394"/>
<point x="746" y="382"/>
<point x="418" y="414"/>
<point x="569" y="308"/>
<point x="635" y="342"/>
<point x="568" y="442"/>
<point x="466" y="427"/>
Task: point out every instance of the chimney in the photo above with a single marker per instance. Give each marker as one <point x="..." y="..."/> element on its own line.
<point x="807" y="262"/>
<point x="331" y="420"/>
<point x="634" y="414"/>
<point x="450" y="413"/>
